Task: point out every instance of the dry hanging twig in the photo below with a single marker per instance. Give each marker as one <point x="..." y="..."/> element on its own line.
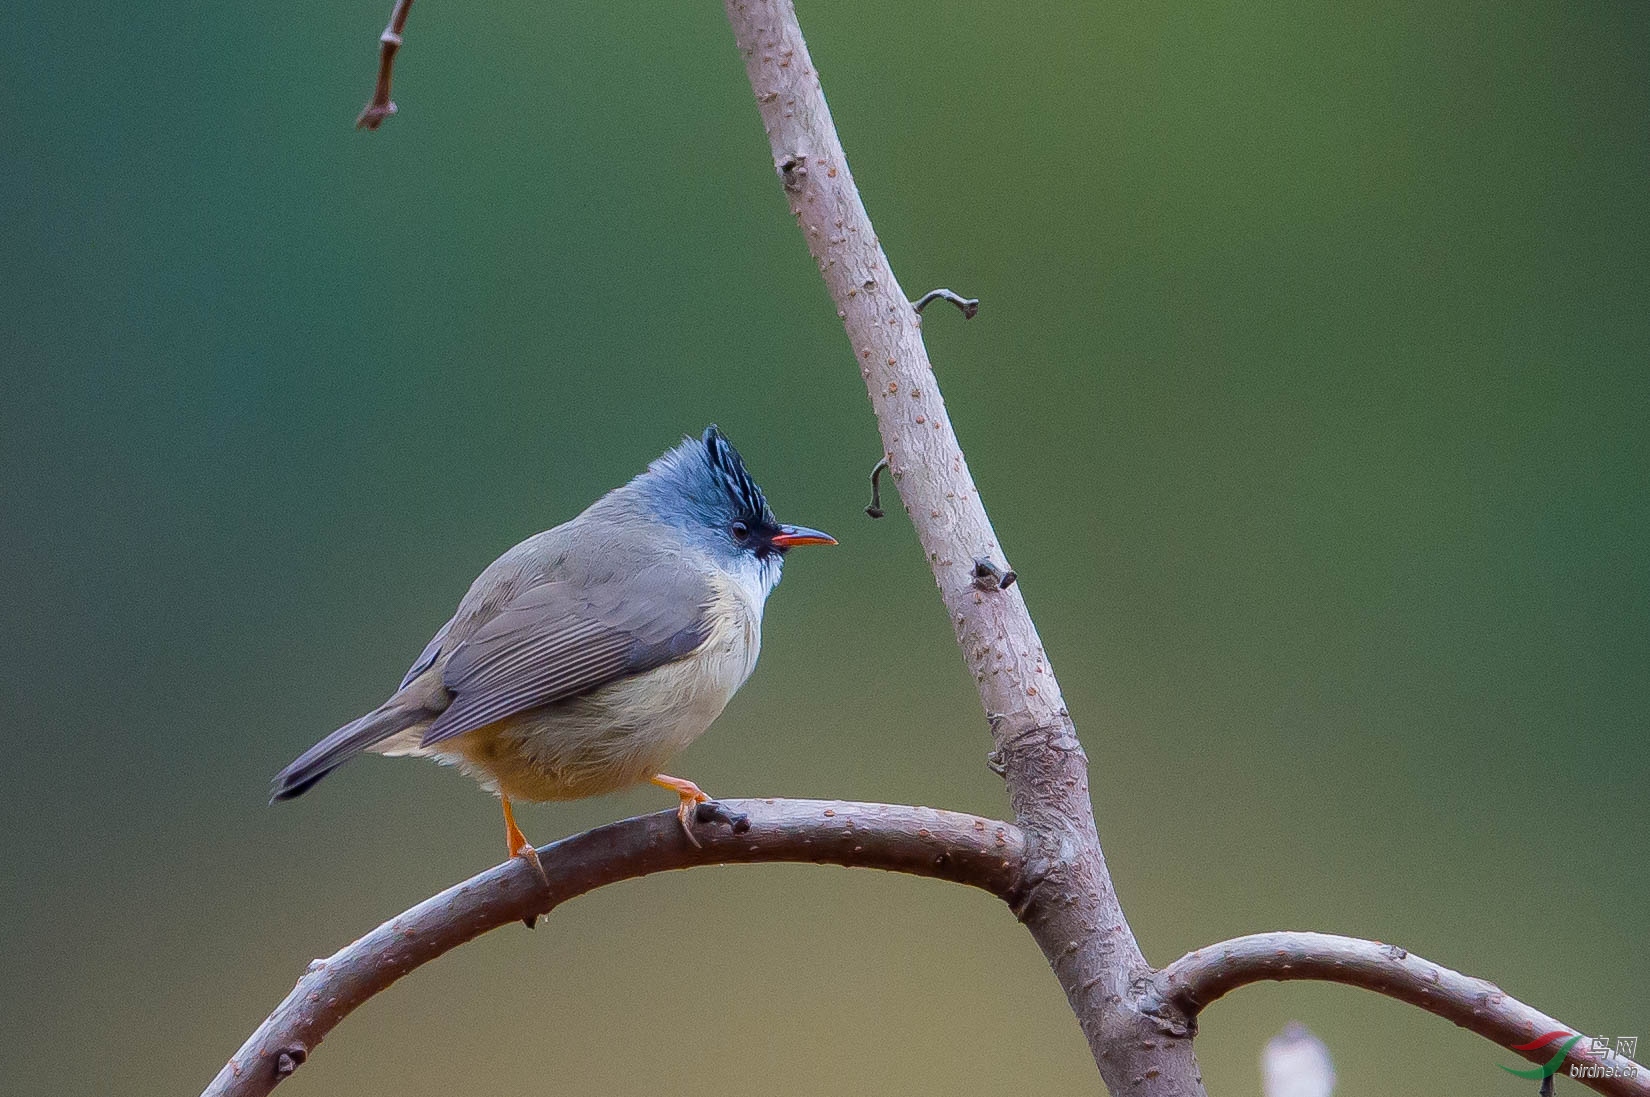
<point x="382" y="106"/>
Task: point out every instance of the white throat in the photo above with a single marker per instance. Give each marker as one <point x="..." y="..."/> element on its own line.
<point x="755" y="578"/>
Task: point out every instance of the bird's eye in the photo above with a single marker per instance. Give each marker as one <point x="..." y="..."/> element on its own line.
<point x="740" y="531"/>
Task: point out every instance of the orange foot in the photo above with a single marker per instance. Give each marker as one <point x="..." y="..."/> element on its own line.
<point x="692" y="796"/>
<point x="519" y="845"/>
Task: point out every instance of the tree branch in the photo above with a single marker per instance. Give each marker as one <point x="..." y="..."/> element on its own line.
<point x="1185" y="987"/>
<point x="944" y="845"/>
<point x="382" y="106"/>
<point x="1139" y="1023"/>
<point x="1071" y="908"/>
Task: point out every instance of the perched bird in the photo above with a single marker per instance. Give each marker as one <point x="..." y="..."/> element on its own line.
<point x="587" y="656"/>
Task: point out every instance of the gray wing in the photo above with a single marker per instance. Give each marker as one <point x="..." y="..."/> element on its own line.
<point x="561" y="638"/>
<point x="426" y="658"/>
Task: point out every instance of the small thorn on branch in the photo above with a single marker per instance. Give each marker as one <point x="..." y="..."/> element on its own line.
<point x="968" y="305"/>
<point x="382" y="106"/>
<point x="988" y="576"/>
<point x="793" y="170"/>
<point x="875" y="509"/>
<point x="712" y="812"/>
<point x="289" y="1059"/>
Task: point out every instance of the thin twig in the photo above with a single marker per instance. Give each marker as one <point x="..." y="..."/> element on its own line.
<point x="969" y="306"/>
<point x="382" y="106"/>
<point x="1072" y="911"/>
<point x="945" y="845"/>
<point x="874" y="509"/>
<point x="1181" y="990"/>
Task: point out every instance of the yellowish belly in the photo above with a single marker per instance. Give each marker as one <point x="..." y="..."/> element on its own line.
<point x="616" y="736"/>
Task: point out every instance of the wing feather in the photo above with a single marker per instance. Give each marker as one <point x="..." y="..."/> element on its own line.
<point x="558" y="639"/>
<point x="427" y="657"/>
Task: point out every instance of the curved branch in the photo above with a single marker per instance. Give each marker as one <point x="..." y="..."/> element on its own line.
<point x="1072" y="909"/>
<point x="944" y="845"/>
<point x="1189" y="984"/>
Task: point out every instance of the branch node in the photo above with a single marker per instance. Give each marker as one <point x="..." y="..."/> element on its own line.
<point x="1033" y="875"/>
<point x="1168" y="1016"/>
<point x="875" y="508"/>
<point x="382" y="106"/>
<point x="793" y="170"/>
<point x="1015" y="743"/>
<point x="988" y="576"/>
<point x="713" y="812"/>
<point x="289" y="1059"/>
<point x="968" y="306"/>
<point x="373" y="114"/>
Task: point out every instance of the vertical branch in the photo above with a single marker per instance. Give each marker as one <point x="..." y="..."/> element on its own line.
<point x="382" y="106"/>
<point x="1070" y="906"/>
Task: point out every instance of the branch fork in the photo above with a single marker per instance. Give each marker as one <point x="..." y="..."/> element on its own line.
<point x="1048" y="863"/>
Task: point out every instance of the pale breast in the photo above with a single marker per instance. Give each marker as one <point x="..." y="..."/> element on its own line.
<point x="624" y="733"/>
<point x="686" y="696"/>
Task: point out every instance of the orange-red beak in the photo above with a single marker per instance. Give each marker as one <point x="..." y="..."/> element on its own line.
<point x="791" y="536"/>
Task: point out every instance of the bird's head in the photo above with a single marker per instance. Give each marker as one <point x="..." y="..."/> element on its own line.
<point x="702" y="489"/>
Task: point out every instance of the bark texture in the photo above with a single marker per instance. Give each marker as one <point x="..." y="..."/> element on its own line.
<point x="1068" y="902"/>
<point x="1182" y="989"/>
<point x="946" y="845"/>
<point x="1048" y="865"/>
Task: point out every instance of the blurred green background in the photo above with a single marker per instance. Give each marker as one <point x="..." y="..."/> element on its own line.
<point x="1309" y="397"/>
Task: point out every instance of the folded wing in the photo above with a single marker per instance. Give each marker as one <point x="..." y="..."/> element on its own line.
<point x="559" y="639"/>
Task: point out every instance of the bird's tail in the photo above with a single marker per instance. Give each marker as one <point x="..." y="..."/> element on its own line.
<point x="395" y="715"/>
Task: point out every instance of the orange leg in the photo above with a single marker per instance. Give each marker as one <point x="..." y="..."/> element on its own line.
<point x="691" y="794"/>
<point x="518" y="843"/>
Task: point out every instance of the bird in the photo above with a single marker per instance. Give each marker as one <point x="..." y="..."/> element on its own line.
<point x="586" y="657"/>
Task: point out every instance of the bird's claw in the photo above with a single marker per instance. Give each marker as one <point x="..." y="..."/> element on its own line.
<point x="692" y="804"/>
<point x="527" y="853"/>
<point x="685" y="812"/>
<point x="709" y="811"/>
<point x="531" y="856"/>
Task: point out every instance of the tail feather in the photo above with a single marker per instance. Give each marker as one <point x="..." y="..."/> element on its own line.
<point x="392" y="716"/>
